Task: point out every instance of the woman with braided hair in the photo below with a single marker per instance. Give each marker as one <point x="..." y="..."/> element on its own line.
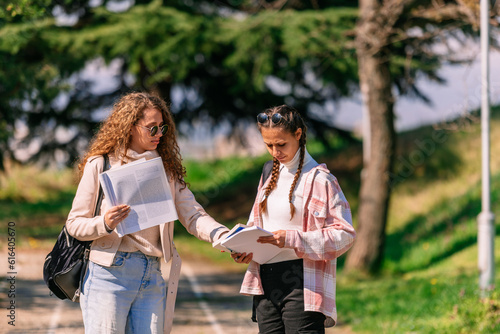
<point x="303" y="205"/>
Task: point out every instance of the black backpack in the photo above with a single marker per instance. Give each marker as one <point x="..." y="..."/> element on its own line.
<point x="65" y="266"/>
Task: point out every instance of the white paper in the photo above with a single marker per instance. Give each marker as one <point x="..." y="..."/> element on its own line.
<point x="243" y="239"/>
<point x="143" y="185"/>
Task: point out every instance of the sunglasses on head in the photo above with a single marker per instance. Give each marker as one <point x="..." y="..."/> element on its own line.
<point x="154" y="129"/>
<point x="263" y="118"/>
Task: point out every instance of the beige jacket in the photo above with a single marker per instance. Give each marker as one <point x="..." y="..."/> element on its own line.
<point x="82" y="225"/>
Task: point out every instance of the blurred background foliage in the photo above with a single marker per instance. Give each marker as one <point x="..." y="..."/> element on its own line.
<point x="216" y="55"/>
<point x="216" y="61"/>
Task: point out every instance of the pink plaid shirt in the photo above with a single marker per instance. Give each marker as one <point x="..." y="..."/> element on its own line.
<point x="327" y="234"/>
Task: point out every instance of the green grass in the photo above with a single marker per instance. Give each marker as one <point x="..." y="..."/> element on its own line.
<point x="441" y="298"/>
<point x="37" y="201"/>
<point x="447" y="228"/>
<point x="429" y="279"/>
<point x="217" y="181"/>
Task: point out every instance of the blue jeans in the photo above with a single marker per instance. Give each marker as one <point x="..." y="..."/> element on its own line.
<point x="127" y="297"/>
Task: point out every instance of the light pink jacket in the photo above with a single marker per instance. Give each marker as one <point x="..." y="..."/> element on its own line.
<point x="82" y="225"/>
<point x="327" y="233"/>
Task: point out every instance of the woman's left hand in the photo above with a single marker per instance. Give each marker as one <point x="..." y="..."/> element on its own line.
<point x="242" y="257"/>
<point x="277" y="239"/>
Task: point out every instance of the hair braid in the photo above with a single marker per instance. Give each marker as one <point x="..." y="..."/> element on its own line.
<point x="296" y="178"/>
<point x="270" y="186"/>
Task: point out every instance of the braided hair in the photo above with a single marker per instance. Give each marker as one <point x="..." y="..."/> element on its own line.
<point x="291" y="121"/>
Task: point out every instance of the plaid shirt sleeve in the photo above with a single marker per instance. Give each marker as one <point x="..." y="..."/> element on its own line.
<point x="329" y="232"/>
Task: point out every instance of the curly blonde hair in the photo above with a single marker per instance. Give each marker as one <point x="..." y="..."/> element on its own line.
<point x="115" y="133"/>
<point x="291" y="121"/>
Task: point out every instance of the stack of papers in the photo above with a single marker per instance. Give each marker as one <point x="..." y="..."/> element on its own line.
<point x="243" y="239"/>
<point x="143" y="185"/>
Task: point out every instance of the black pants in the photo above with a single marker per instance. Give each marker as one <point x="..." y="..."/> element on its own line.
<point x="281" y="308"/>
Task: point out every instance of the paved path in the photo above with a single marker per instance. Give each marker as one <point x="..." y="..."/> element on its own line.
<point x="207" y="302"/>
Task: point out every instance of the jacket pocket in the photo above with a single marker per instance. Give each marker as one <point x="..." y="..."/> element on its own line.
<point x="106" y="242"/>
<point x="318" y="210"/>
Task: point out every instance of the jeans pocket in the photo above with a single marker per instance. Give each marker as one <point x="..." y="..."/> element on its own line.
<point x="119" y="260"/>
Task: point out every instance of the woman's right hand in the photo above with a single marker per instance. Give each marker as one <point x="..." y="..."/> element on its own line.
<point x="115" y="215"/>
<point x="242" y="257"/>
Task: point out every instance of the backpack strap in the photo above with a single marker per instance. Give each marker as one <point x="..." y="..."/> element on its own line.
<point x="105" y="167"/>
<point x="266" y="170"/>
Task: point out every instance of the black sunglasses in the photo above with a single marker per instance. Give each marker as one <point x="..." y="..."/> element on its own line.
<point x="263" y="118"/>
<point x="154" y="129"/>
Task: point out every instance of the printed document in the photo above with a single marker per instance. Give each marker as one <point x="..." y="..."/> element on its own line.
<point x="143" y="185"/>
<point x="243" y="239"/>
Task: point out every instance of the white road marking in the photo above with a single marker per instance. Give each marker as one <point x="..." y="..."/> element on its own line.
<point x="54" y="321"/>
<point x="199" y="294"/>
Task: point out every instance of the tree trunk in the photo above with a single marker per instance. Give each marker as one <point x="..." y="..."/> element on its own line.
<point x="375" y="81"/>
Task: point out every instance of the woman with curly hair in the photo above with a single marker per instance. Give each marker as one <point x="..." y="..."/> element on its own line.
<point x="123" y="291"/>
<point x="303" y="205"/>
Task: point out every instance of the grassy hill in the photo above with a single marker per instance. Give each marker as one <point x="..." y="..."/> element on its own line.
<point x="430" y="279"/>
<point x="430" y="276"/>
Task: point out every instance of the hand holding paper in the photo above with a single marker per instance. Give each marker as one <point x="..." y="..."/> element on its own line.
<point x="277" y="239"/>
<point x="143" y="186"/>
<point x="243" y="239"/>
<point x="242" y="257"/>
<point x="116" y="215"/>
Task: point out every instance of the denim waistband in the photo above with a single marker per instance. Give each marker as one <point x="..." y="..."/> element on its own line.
<point x="280" y="266"/>
<point x="137" y="254"/>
